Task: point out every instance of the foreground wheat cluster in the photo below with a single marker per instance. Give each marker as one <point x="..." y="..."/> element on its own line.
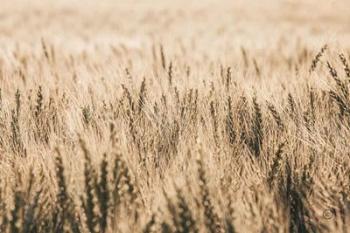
<point x="134" y="117"/>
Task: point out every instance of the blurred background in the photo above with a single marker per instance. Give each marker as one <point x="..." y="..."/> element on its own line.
<point x="217" y="24"/>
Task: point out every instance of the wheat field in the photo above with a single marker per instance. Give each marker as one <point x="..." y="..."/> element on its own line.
<point x="175" y="116"/>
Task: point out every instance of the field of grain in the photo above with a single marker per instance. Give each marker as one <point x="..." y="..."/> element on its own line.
<point x="175" y="116"/>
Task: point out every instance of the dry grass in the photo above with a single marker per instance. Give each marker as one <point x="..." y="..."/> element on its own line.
<point x="174" y="117"/>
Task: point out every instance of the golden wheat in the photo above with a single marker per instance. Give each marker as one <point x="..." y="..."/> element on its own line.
<point x="174" y="116"/>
